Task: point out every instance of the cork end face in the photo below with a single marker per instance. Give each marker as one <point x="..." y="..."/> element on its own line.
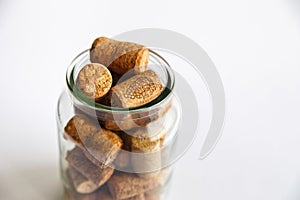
<point x="71" y="132"/>
<point x="79" y="182"/>
<point x="127" y="186"/>
<point x="78" y="128"/>
<point x="116" y="145"/>
<point x="145" y="144"/>
<point x="86" y="187"/>
<point x="94" y="80"/>
<point x="104" y="146"/>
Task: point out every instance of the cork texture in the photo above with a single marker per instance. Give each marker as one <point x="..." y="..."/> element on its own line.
<point x="97" y="175"/>
<point x="124" y="185"/>
<point x="108" y="142"/>
<point x="78" y="128"/>
<point x="126" y="123"/>
<point x="92" y="158"/>
<point x="70" y="194"/>
<point x="137" y="90"/>
<point x="104" y="146"/>
<point x="104" y="194"/>
<point x="145" y="143"/>
<point x="99" y="145"/>
<point x="145" y="139"/>
<point x="80" y="183"/>
<point x="94" y="80"/>
<point x="121" y="121"/>
<point x="119" y="57"/>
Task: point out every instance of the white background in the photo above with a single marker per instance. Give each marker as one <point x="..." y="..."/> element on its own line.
<point x="255" y="45"/>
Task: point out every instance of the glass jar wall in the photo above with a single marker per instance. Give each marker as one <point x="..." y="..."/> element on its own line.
<point x="116" y="153"/>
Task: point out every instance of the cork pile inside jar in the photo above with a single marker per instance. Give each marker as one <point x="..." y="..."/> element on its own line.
<point x="117" y="156"/>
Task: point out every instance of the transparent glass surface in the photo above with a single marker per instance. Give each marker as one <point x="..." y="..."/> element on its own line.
<point x="134" y="173"/>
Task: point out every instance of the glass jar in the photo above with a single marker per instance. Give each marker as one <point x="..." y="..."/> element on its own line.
<point x="117" y="153"/>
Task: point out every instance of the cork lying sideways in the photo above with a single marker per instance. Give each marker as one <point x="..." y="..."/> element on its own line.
<point x="99" y="145"/>
<point x="97" y="175"/>
<point x="119" y="57"/>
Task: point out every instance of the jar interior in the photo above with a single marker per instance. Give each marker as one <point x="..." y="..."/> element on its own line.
<point x="156" y="63"/>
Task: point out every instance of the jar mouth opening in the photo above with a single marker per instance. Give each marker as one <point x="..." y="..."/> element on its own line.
<point x="82" y="99"/>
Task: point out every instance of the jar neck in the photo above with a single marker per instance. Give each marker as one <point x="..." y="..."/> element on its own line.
<point x="79" y="98"/>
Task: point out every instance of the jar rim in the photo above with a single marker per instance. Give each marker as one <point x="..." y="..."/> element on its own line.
<point x="81" y="98"/>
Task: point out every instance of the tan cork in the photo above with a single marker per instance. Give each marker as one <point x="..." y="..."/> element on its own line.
<point x="120" y="57"/>
<point x="99" y="145"/>
<point x="124" y="185"/>
<point x="104" y="194"/>
<point x="94" y="80"/>
<point x="97" y="175"/>
<point x="137" y="90"/>
<point x="101" y="194"/>
<point x="130" y="121"/>
<point x="71" y="194"/>
<point x="145" y="143"/>
<point x="104" y="146"/>
<point x="78" y="128"/>
<point x="81" y="184"/>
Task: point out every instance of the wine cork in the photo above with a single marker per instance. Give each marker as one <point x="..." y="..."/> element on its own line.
<point x="92" y="158"/>
<point x="99" y="145"/>
<point x="104" y="194"/>
<point x="147" y="139"/>
<point x="129" y="121"/>
<point x="71" y="194"/>
<point x="80" y="183"/>
<point x="106" y="99"/>
<point x="86" y="129"/>
<point x="104" y="146"/>
<point x="120" y="57"/>
<point x="124" y="121"/>
<point x="146" y="164"/>
<point x="125" y="185"/>
<point x="79" y="127"/>
<point x="119" y="78"/>
<point x="94" y="80"/>
<point x="132" y="121"/>
<point x="101" y="194"/>
<point x="137" y="90"/>
<point x="116" y="79"/>
<point x="145" y="145"/>
<point x="97" y="175"/>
